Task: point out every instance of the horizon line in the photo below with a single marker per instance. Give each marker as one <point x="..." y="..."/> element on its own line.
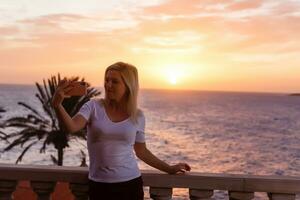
<point x="180" y="89"/>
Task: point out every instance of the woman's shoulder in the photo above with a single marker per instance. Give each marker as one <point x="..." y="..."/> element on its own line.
<point x="96" y="102"/>
<point x="140" y="120"/>
<point x="140" y="116"/>
<point x="140" y="113"/>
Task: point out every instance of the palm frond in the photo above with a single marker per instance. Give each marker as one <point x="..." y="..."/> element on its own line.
<point x="48" y="110"/>
<point x="35" y="120"/>
<point x="83" y="159"/>
<point x="56" y="138"/>
<point x="20" y="141"/>
<point x="19" y="159"/>
<point x="48" y="140"/>
<point x="41" y="92"/>
<point x="30" y="108"/>
<point x="54" y="160"/>
<point x="23" y="122"/>
<point x="3" y="136"/>
<point x="15" y="119"/>
<point x="19" y="125"/>
<point x="2" y="109"/>
<point x="46" y="91"/>
<point x="24" y="136"/>
<point x="2" y="133"/>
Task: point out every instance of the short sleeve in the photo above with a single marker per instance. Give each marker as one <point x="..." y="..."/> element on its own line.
<point x="140" y="134"/>
<point x="86" y="110"/>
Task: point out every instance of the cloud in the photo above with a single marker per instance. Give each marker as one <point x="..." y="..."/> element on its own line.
<point x="73" y="34"/>
<point x="177" y="42"/>
<point x="245" y="5"/>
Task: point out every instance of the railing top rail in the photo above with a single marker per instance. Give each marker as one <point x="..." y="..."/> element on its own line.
<point x="195" y="180"/>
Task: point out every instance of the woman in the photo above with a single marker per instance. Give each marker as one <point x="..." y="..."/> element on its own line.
<point x="115" y="127"/>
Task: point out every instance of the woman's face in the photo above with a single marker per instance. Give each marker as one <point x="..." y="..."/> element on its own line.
<point x="115" y="88"/>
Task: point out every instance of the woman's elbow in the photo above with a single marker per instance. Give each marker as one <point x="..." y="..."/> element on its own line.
<point x="72" y="129"/>
<point x="141" y="153"/>
<point x="76" y="125"/>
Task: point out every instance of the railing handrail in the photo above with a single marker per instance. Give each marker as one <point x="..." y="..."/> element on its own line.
<point x="192" y="180"/>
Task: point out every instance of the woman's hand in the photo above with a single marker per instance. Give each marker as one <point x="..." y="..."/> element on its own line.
<point x="62" y="89"/>
<point x="179" y="168"/>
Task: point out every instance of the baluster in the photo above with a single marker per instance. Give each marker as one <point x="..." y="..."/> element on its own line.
<point x="7" y="187"/>
<point x="196" y="194"/>
<point x="43" y="189"/>
<point x="80" y="190"/>
<point x="160" y="193"/>
<point x="240" y="195"/>
<point x="277" y="196"/>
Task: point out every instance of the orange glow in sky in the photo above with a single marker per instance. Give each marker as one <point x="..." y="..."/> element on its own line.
<point x="232" y="45"/>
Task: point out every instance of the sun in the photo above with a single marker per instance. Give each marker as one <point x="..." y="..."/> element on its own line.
<point x="174" y="73"/>
<point x="173" y="80"/>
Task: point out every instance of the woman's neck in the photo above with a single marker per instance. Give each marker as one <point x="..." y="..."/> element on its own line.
<point x="115" y="105"/>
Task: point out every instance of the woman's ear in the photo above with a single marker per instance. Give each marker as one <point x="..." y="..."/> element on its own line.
<point x="127" y="92"/>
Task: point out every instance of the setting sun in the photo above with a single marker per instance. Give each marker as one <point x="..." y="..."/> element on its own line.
<point x="174" y="73"/>
<point x="173" y="77"/>
<point x="173" y="80"/>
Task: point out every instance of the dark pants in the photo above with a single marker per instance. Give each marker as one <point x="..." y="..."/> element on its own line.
<point x="129" y="190"/>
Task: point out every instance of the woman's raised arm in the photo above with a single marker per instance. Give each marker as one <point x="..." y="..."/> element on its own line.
<point x="70" y="124"/>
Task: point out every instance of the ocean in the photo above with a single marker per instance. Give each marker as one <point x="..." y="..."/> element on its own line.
<point x="215" y="132"/>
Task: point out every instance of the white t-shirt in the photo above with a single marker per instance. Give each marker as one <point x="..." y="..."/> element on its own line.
<point x="110" y="144"/>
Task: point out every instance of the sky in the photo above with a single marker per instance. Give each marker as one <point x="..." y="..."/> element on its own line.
<point x="232" y="45"/>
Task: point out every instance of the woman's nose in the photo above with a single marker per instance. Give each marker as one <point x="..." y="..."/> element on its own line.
<point x="109" y="84"/>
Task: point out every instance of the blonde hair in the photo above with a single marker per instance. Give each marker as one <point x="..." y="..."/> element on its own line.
<point x="129" y="75"/>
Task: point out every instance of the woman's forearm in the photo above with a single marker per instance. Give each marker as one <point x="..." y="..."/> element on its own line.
<point x="153" y="161"/>
<point x="65" y="118"/>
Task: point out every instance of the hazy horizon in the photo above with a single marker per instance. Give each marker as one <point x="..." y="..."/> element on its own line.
<point x="172" y="89"/>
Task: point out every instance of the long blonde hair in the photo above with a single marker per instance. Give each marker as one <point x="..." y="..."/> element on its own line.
<point x="129" y="75"/>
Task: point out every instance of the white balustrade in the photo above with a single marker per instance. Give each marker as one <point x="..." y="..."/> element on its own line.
<point x="201" y="185"/>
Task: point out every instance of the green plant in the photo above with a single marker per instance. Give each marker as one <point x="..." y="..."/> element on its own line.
<point x="45" y="127"/>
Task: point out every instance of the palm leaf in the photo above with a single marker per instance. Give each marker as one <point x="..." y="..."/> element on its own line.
<point x="41" y="92"/>
<point x="46" y="91"/>
<point x="30" y="108"/>
<point x="47" y="110"/>
<point x="23" y="122"/>
<point x="54" y="160"/>
<point x="24" y="136"/>
<point x="3" y="136"/>
<point x="83" y="159"/>
<point x="15" y="119"/>
<point x="19" y="159"/>
<point x="2" y="110"/>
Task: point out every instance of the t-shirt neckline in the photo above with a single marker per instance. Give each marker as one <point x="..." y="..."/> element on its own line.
<point x="107" y="117"/>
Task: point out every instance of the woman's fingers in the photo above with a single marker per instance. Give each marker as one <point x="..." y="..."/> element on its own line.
<point x="68" y="88"/>
<point x="187" y="167"/>
<point x="62" y="82"/>
<point x="64" y="86"/>
<point x="61" y="92"/>
<point x="183" y="167"/>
